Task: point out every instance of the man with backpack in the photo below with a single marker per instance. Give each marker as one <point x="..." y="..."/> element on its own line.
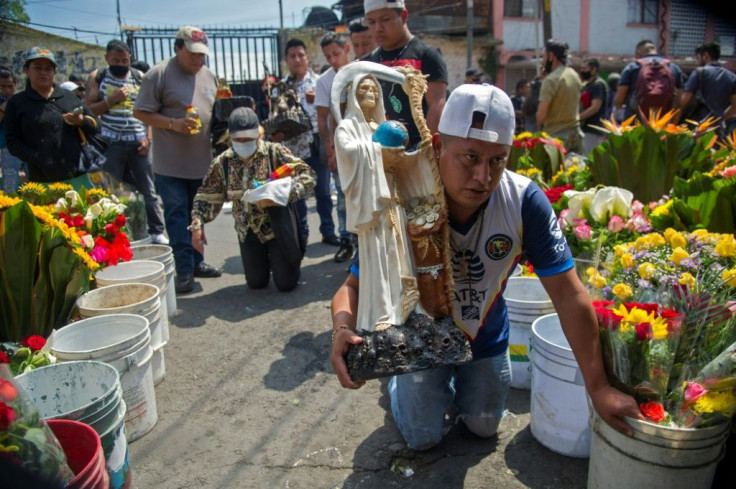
<point x="714" y="86"/>
<point x="112" y="93"/>
<point x="649" y="83"/>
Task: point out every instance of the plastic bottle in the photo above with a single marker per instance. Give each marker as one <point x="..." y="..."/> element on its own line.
<point x="193" y="114"/>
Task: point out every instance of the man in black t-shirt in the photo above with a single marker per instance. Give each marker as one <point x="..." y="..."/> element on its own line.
<point x="592" y="104"/>
<point x="386" y="20"/>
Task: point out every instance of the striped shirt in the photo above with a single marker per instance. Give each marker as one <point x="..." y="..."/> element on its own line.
<point x="118" y="123"/>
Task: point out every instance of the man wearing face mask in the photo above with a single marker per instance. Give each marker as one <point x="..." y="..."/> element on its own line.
<point x="592" y="104"/>
<point x="112" y="95"/>
<point x="559" y="97"/>
<point x="237" y="169"/>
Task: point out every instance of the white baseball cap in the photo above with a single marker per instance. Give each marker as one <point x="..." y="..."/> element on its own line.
<point x="371" y="5"/>
<point x="194" y="39"/>
<point x="499" y="122"/>
<point x="69" y="85"/>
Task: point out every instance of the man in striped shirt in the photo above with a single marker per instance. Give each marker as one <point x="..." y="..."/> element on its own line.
<point x="112" y="93"/>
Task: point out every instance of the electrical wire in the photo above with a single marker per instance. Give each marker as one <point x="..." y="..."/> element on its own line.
<point x="74" y="29"/>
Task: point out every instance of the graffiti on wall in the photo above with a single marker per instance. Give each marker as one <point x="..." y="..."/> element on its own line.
<point x="68" y="63"/>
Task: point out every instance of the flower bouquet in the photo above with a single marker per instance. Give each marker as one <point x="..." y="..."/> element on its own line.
<point x="654" y="263"/>
<point x="43" y="269"/>
<point x="29" y="354"/>
<point x="25" y="438"/>
<point x="539" y="151"/>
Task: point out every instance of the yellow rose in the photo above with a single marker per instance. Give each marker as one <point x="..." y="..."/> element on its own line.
<point x="646" y="270"/>
<point x="622" y="291"/>
<point x="699" y="233"/>
<point x="655" y="239"/>
<point x="627" y="261"/>
<point x="678" y="254"/>
<point x="726" y="246"/>
<point x="674" y="238"/>
<point x="620" y="250"/>
<point x="662" y="210"/>
<point x="729" y="276"/>
<point x="599" y="281"/>
<point x="687" y="279"/>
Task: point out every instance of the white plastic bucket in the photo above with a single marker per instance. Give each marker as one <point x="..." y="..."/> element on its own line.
<point x="143" y="241"/>
<point x="559" y="406"/>
<point x="159" y="364"/>
<point x="141" y="272"/>
<point x="526" y="300"/>
<point x="142" y="299"/>
<point x="123" y="341"/>
<point x="162" y="254"/>
<point x="656" y="456"/>
<point x="115" y="448"/>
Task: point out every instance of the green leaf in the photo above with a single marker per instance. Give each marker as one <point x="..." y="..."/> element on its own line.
<point x="19" y="240"/>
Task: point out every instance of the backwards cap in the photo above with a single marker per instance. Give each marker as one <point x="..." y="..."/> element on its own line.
<point x="500" y="120"/>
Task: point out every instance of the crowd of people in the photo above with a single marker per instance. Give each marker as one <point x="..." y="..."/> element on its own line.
<point x="158" y="143"/>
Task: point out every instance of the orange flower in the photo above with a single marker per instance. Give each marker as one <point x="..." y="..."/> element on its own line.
<point x="659" y="121"/>
<point x="709" y="124"/>
<point x="611" y="127"/>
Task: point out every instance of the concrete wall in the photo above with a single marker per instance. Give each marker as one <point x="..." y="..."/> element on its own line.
<point x="609" y="32"/>
<point x="518" y="34"/>
<point x="566" y="21"/>
<point x="71" y="56"/>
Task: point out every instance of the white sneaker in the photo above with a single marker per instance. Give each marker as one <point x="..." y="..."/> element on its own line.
<point x="159" y="239"/>
<point x="227" y="207"/>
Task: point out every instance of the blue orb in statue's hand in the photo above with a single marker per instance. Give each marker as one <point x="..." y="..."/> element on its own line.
<point x="391" y="134"/>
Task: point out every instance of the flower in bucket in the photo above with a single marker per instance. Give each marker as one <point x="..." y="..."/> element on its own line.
<point x="638" y="341"/>
<point x="653" y="411"/>
<point x="30" y="354"/>
<point x="25" y="439"/>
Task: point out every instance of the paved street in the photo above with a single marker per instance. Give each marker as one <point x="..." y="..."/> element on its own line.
<point x="250" y="401"/>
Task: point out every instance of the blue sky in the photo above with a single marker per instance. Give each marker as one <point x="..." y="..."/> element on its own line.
<point x="100" y="15"/>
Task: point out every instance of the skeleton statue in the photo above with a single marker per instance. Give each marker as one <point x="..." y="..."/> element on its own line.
<point x="396" y="205"/>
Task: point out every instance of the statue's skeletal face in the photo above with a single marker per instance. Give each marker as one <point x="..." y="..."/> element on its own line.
<point x="367" y="94"/>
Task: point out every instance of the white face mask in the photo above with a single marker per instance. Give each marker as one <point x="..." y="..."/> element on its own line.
<point x="245" y="150"/>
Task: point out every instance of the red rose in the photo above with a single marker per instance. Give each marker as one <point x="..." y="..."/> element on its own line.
<point x="4" y="358"/>
<point x="648" y="307"/>
<point x="111" y="228"/>
<point x="35" y="342"/>
<point x="605" y="316"/>
<point x="78" y="221"/>
<point x="120" y="221"/>
<point x="7" y="416"/>
<point x="644" y="331"/>
<point x="653" y="411"/>
<point x="7" y="390"/>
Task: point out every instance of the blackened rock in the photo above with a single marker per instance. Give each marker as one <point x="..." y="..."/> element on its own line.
<point x="419" y="344"/>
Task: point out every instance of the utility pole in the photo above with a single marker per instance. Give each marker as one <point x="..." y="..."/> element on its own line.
<point x="120" y="23"/>
<point x="547" y="19"/>
<point x="281" y="13"/>
<point x="469" y="34"/>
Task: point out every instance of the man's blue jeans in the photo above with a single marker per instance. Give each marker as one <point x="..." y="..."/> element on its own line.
<point x="478" y="389"/>
<point x="11" y="171"/>
<point x="321" y="194"/>
<point x="122" y="155"/>
<point x="177" y="195"/>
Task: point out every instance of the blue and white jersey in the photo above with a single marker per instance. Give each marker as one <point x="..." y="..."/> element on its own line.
<point x="517" y="220"/>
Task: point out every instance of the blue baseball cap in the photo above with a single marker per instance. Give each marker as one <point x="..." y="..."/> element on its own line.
<point x="40" y="52"/>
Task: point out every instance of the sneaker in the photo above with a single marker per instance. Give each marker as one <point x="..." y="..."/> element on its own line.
<point x="204" y="270"/>
<point x="331" y="240"/>
<point x="184" y="283"/>
<point x="345" y="252"/>
<point x="227" y="207"/>
<point x="159" y="239"/>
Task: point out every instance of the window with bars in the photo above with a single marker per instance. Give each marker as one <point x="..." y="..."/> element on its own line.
<point x="521" y="8"/>
<point x="643" y="11"/>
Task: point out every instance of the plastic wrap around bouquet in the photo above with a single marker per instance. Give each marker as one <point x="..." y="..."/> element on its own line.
<point x="276" y="190"/>
<point x="25" y="438"/>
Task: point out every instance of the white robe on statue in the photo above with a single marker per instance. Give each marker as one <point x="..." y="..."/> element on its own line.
<point x="373" y="214"/>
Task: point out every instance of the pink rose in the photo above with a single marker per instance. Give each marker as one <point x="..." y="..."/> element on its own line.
<point x="562" y="220"/>
<point x="583" y="231"/>
<point x="616" y="224"/>
<point x="729" y="172"/>
<point x="99" y="254"/>
<point x="637" y="206"/>
<point x="693" y="391"/>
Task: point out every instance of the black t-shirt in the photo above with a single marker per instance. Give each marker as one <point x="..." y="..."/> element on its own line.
<point x="595" y="89"/>
<point x="419" y="55"/>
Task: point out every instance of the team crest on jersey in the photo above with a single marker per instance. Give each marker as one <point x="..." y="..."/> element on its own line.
<point x="498" y="247"/>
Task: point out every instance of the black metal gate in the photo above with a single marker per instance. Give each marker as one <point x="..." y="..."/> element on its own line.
<point x="240" y="56"/>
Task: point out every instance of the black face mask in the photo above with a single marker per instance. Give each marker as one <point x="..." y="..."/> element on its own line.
<point x="585" y="75"/>
<point x="548" y="67"/>
<point x="118" y="71"/>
